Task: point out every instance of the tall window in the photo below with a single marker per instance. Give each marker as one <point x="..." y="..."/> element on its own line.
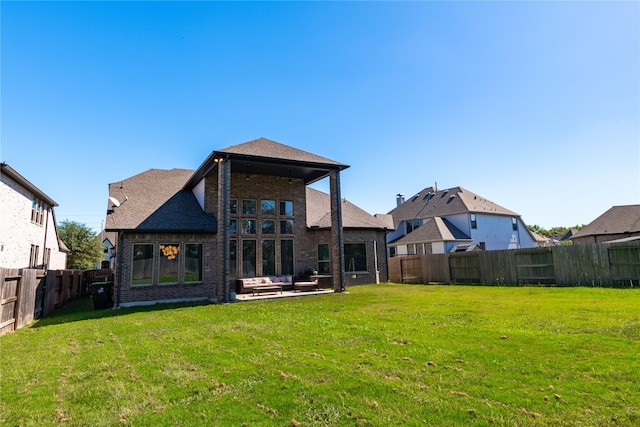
<point x="233" y="206"/>
<point x="248" y="258"/>
<point x="355" y="257"/>
<point x="324" y="260"/>
<point x="268" y="257"/>
<point x="514" y="223"/>
<point x="169" y="265"/>
<point x="33" y="256"/>
<point x="474" y="222"/>
<point x="233" y="226"/>
<point x="142" y="266"/>
<point x="233" y="258"/>
<point x="192" y="262"/>
<point x="37" y="212"/>
<point x="286" y="257"/>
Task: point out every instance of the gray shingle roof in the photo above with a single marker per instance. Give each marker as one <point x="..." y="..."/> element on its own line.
<point x="319" y="213"/>
<point x="263" y="147"/>
<point x="617" y="220"/>
<point x="434" y="230"/>
<point x="153" y="201"/>
<point x="430" y="203"/>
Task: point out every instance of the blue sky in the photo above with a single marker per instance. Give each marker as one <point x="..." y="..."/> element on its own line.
<point x="533" y="105"/>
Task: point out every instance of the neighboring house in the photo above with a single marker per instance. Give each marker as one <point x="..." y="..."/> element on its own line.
<point x="454" y="220"/>
<point x="556" y="239"/>
<point x="619" y="222"/>
<point x="245" y="212"/>
<point x="28" y="232"/>
<point x="109" y="248"/>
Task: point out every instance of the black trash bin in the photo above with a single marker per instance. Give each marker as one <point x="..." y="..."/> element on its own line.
<point x="101" y="293"/>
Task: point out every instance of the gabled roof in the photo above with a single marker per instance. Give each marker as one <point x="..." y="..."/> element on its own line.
<point x="434" y="230"/>
<point x="268" y="149"/>
<point x="319" y="213"/>
<point x="617" y="220"/>
<point x="7" y="170"/>
<point x="265" y="157"/>
<point x="154" y="201"/>
<point x="430" y="203"/>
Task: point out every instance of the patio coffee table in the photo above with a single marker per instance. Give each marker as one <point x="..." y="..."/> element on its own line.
<point x="269" y="288"/>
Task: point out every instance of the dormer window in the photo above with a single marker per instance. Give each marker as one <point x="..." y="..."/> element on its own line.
<point x="413" y="224"/>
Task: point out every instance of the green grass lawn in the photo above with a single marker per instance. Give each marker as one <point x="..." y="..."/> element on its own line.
<point x="378" y="355"/>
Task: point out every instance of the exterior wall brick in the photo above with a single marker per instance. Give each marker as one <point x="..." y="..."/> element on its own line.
<point x="159" y="292"/>
<point x="18" y="233"/>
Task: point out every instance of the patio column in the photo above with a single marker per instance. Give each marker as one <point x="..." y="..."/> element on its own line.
<point x="337" y="242"/>
<point x="222" y="255"/>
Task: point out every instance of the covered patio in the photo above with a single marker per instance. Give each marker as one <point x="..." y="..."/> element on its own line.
<point x="280" y="294"/>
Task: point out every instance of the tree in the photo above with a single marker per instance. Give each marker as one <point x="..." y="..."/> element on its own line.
<point x="85" y="247"/>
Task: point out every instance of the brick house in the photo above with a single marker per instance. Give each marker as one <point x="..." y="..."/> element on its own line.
<point x="247" y="211"/>
<point x="28" y="232"/>
<point x="619" y="222"/>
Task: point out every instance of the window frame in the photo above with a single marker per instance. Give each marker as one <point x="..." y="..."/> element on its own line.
<point x="283" y="211"/>
<point x="167" y="254"/>
<point x="324" y="264"/>
<point x="249" y="227"/>
<point x="268" y="265"/>
<point x="347" y="259"/>
<point x="200" y="263"/>
<point x="145" y="267"/>
<point x="249" y="207"/>
<point x="288" y="231"/>
<point x="273" y="227"/>
<point x="271" y="207"/>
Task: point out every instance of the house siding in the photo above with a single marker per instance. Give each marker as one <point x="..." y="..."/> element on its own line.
<point x="18" y="233"/>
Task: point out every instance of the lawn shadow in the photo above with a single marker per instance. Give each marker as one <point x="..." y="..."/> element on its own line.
<point x="82" y="309"/>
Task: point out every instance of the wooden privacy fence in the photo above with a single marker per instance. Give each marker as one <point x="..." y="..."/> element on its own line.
<point x="574" y="265"/>
<point x="29" y="293"/>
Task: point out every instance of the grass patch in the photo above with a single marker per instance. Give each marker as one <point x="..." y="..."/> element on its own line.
<point x="378" y="355"/>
